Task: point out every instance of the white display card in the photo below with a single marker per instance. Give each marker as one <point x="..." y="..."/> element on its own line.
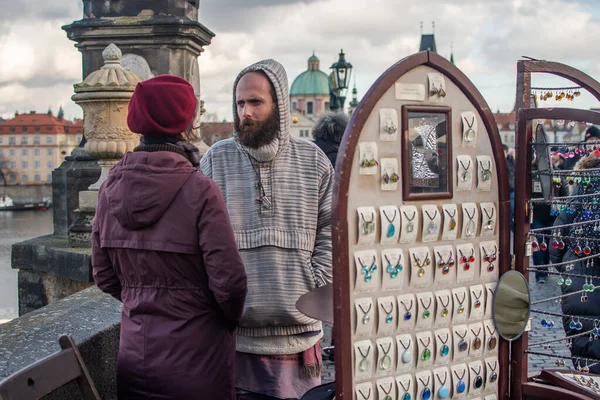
<point x="425" y="309"/>
<point x="489" y="218"/>
<point x="367" y="225"/>
<point x="484" y="173"/>
<point x="442" y="383"/>
<point x="365" y="317"/>
<point x="443" y="346"/>
<point x="410" y="224"/>
<point x="477" y="339"/>
<point x="368" y="158"/>
<point x="460" y="380"/>
<point x="444" y="265"/>
<point x="390" y="224"/>
<point x="421" y="267"/>
<point x="470" y="220"/>
<point x="409" y="91"/>
<point x="405" y="384"/>
<point x="386" y="356"/>
<point x="489" y="298"/>
<point x="477" y="299"/>
<point x="407" y="309"/>
<point x="443" y="313"/>
<point x="426" y="349"/>
<point x="491" y="338"/>
<point x="364" y="359"/>
<point x="367" y="271"/>
<point x="464" y="173"/>
<point x="386" y="389"/>
<point x="388" y="125"/>
<point x="477" y="375"/>
<point x="424" y="379"/>
<point x="432" y="223"/>
<point x="492" y="371"/>
<point x="460" y="310"/>
<point x="364" y="391"/>
<point x="462" y="342"/>
<point x="451" y="222"/>
<point x="466" y="262"/>
<point x="437" y="87"/>
<point x="489" y="261"/>
<point x="394" y="269"/>
<point x="469" y="128"/>
<point x="389" y="174"/>
<point x="387" y="315"/>
<point x="406" y="352"/>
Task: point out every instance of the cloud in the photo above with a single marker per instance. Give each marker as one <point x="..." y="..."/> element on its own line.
<point x="487" y="38"/>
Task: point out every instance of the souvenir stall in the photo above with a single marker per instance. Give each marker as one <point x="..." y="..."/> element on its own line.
<point x="420" y="240"/>
<point x="572" y="194"/>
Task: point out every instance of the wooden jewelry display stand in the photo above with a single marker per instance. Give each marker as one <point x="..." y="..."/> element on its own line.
<point x="420" y="238"/>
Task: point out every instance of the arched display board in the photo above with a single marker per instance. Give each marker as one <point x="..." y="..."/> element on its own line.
<point x="420" y="237"/>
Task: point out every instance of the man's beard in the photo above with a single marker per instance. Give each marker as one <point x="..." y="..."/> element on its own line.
<point x="254" y="134"/>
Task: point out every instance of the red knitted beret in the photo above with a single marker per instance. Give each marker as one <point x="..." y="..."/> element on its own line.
<point x="163" y="105"/>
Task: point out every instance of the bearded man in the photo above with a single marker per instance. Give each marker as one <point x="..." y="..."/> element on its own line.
<point x="278" y="193"/>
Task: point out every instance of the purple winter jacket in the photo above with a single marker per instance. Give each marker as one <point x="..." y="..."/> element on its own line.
<point x="162" y="243"/>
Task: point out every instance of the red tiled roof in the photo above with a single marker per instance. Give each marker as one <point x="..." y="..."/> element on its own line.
<point x="40" y="124"/>
<point x="504" y="120"/>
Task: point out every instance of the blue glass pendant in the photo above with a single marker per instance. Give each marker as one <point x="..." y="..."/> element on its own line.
<point x="445" y="350"/>
<point x="391" y="230"/>
<point x="461" y="387"/>
<point x="406" y="396"/>
<point x="426" y="394"/>
<point x="368" y="278"/>
<point x="390" y="269"/>
<point x="443" y="392"/>
<point x="389" y="318"/>
<point x="572" y="324"/>
<point x="407" y="316"/>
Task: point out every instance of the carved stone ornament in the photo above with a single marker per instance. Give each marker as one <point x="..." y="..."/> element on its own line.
<point x="104" y="97"/>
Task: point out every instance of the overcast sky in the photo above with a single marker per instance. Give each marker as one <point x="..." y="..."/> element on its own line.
<point x="39" y="65"/>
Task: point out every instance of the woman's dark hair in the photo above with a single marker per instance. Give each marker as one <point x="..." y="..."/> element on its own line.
<point x="330" y="127"/>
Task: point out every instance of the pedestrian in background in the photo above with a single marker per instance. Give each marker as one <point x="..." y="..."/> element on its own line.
<point x="328" y="133"/>
<point x="162" y="244"/>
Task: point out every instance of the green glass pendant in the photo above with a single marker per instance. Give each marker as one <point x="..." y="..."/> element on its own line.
<point x="426" y="354"/>
<point x="426" y="314"/>
<point x="389" y="319"/>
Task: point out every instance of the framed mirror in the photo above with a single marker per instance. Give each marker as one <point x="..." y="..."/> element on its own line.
<point x="511" y="305"/>
<point x="426" y="152"/>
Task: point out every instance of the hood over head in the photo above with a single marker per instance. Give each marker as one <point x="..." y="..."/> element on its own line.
<point x="278" y="77"/>
<point x="142" y="186"/>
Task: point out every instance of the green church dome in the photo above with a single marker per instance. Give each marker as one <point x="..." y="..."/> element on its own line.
<point x="312" y="82"/>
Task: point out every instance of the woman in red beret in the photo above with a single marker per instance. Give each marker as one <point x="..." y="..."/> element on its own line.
<point x="162" y="244"/>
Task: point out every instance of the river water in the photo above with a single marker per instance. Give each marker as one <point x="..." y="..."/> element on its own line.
<point x="16" y="226"/>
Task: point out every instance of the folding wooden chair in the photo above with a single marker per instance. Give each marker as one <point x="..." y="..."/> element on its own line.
<point x="50" y="373"/>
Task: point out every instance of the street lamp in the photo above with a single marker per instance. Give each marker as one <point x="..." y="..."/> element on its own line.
<point x="339" y="81"/>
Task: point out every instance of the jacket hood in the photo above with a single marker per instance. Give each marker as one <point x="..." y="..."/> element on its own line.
<point x="588" y="162"/>
<point x="278" y="77"/>
<point x="142" y="186"/>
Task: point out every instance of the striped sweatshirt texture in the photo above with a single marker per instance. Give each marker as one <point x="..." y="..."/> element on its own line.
<point x="286" y="248"/>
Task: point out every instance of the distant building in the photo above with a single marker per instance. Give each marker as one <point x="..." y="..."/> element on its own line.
<point x="301" y="126"/>
<point x="33" y="145"/>
<point x="309" y="94"/>
<point x="212" y="132"/>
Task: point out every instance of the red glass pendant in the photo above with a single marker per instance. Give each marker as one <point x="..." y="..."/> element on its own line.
<point x="534" y="244"/>
<point x="561" y="245"/>
<point x="577" y="250"/>
<point x="543" y="246"/>
<point x="491" y="267"/>
<point x="587" y="250"/>
<point x="472" y="259"/>
<point x="555" y="244"/>
<point x="597" y="153"/>
<point x="467" y="266"/>
<point x="463" y="259"/>
<point x="477" y="303"/>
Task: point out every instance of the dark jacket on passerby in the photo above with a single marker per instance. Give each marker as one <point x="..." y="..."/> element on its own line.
<point x="163" y="245"/>
<point x="572" y="305"/>
<point x="330" y="149"/>
<point x="510" y="167"/>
